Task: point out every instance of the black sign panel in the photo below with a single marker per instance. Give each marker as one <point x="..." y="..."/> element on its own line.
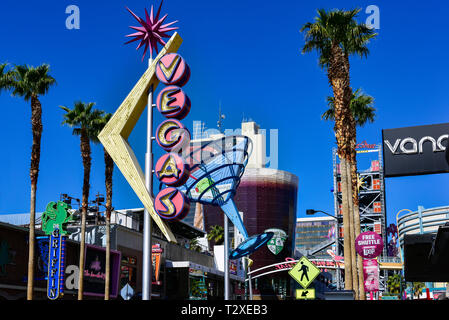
<point x="419" y="265"/>
<point x="415" y="150"/>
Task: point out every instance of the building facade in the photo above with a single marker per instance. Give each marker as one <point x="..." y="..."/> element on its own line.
<point x="316" y="235"/>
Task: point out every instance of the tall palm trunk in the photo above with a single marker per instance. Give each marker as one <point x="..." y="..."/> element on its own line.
<point x="355" y="200"/>
<point x="358" y="265"/>
<point x="355" y="280"/>
<point x="85" y="154"/>
<point x="36" y="125"/>
<point x="109" y="167"/>
<point x="346" y="230"/>
<point x="338" y="75"/>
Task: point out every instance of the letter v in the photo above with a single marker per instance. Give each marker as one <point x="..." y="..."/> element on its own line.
<point x="393" y="148"/>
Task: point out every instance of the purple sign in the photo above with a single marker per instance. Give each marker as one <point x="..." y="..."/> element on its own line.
<point x="95" y="271"/>
<point x="369" y="244"/>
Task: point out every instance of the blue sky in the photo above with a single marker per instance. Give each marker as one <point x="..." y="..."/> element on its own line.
<point x="245" y="54"/>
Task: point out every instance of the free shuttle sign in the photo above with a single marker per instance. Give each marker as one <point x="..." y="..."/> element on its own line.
<point x="415" y="150"/>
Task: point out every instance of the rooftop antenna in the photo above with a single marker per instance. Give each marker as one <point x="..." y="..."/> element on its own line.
<point x="221" y="117"/>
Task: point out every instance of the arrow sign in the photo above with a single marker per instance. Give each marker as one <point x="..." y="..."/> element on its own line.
<point x="305" y="294"/>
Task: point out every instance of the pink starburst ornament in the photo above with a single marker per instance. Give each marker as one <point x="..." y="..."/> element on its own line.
<point x="151" y="32"/>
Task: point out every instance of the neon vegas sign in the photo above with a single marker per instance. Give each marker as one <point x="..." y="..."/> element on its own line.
<point x="171" y="135"/>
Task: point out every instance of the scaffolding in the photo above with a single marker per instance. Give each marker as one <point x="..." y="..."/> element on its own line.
<point x="371" y="186"/>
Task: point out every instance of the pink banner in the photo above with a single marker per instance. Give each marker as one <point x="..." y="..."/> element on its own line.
<point x="371" y="275"/>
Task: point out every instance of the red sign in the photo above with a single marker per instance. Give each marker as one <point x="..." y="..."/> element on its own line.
<point x="172" y="102"/>
<point x="170" y="203"/>
<point x="371" y="275"/>
<point x="172" y="69"/>
<point x="171" y="170"/>
<point x="365" y="145"/>
<point x="369" y="244"/>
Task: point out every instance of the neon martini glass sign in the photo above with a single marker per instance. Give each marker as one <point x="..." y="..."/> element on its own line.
<point x="215" y="171"/>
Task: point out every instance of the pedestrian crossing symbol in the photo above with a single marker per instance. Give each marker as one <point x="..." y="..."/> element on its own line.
<point x="304" y="294"/>
<point x="304" y="272"/>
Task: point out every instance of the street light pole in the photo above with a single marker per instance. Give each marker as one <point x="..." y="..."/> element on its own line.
<point x="337" y="237"/>
<point x="226" y="258"/>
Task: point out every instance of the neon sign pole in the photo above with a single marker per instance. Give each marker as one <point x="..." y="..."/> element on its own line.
<point x="147" y="272"/>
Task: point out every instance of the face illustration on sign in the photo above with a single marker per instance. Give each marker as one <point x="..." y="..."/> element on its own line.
<point x="276" y="243"/>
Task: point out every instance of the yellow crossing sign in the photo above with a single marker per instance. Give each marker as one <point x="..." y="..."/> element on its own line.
<point x="305" y="294"/>
<point x="304" y="272"/>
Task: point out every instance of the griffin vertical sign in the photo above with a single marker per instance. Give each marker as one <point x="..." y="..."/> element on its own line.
<point x="55" y="265"/>
<point x="415" y="150"/>
<point x="54" y="221"/>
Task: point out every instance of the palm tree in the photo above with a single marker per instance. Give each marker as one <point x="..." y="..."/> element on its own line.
<point x="85" y="122"/>
<point x="108" y="172"/>
<point x="216" y="233"/>
<point x="361" y="108"/>
<point x="363" y="111"/>
<point x="336" y="35"/>
<point x="395" y="284"/>
<point x="417" y="288"/>
<point x="5" y="77"/>
<point x="30" y="83"/>
<point x="194" y="245"/>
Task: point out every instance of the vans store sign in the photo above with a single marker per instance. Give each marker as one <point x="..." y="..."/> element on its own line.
<point x="415" y="150"/>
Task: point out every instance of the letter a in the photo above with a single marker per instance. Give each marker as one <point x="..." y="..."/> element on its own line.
<point x="373" y="20"/>
<point x="73" y="20"/>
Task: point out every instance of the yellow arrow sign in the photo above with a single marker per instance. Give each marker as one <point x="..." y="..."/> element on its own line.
<point x="305" y="294"/>
<point x="304" y="272"/>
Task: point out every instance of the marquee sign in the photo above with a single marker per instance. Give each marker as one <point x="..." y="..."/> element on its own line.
<point x="115" y="134"/>
<point x="171" y="135"/>
<point x="415" y="150"/>
<point x="55" y="284"/>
